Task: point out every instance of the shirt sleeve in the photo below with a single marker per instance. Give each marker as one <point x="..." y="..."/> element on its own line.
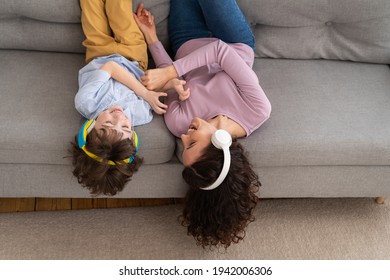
<point x="90" y="95"/>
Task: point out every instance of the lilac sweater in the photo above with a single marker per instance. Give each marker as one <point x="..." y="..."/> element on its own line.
<point x="221" y="81"/>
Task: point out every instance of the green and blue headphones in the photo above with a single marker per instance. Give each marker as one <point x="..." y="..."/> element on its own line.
<point x="82" y="141"/>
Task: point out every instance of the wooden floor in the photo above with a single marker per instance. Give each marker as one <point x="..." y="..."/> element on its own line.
<point x="52" y="204"/>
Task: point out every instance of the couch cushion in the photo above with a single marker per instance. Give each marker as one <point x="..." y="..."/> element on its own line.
<point x="330" y="29"/>
<point x="65" y="11"/>
<point x="41" y="25"/>
<point x="28" y="34"/>
<point x="37" y="115"/>
<point x="323" y="113"/>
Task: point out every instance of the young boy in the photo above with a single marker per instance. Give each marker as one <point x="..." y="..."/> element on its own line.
<point x="111" y="97"/>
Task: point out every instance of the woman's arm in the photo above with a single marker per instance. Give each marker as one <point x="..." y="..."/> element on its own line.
<point x="123" y="76"/>
<point x="228" y="59"/>
<point x="145" y="22"/>
<point x="233" y="65"/>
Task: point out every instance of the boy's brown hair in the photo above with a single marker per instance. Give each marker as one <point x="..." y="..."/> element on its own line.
<point x="101" y="177"/>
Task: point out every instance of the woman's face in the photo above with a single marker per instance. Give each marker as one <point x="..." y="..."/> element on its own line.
<point x="197" y="138"/>
<point x="114" y="118"/>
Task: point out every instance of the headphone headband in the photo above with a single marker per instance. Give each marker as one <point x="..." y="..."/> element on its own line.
<point x="82" y="141"/>
<point x="221" y="139"/>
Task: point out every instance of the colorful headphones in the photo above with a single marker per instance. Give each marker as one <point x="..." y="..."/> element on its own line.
<point x="221" y="139"/>
<point x="82" y="141"/>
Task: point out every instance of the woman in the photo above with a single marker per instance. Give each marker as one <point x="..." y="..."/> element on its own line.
<point x="214" y="55"/>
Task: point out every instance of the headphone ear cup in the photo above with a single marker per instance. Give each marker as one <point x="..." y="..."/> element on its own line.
<point x="84" y="131"/>
<point x="221" y="139"/>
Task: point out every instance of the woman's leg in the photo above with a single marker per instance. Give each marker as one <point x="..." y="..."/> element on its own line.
<point x="223" y="19"/>
<point x="186" y="22"/>
<point x="131" y="42"/>
<point x="226" y="21"/>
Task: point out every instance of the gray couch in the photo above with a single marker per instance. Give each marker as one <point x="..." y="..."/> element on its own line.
<point x="322" y="63"/>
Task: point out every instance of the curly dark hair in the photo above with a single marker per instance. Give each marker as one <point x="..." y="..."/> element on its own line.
<point x="219" y="217"/>
<point x="100" y="177"/>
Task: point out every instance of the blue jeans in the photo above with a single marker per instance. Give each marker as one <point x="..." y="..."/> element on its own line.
<point x="222" y="19"/>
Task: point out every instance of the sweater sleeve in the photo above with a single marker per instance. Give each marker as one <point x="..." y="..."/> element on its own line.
<point x="162" y="59"/>
<point x="160" y="55"/>
<point x="232" y="63"/>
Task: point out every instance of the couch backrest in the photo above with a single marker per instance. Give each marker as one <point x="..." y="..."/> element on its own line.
<point x="356" y="30"/>
<point x="54" y="25"/>
<point x="44" y="25"/>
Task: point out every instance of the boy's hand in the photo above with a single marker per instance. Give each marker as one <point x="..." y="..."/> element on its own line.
<point x="145" y="22"/>
<point x="152" y="97"/>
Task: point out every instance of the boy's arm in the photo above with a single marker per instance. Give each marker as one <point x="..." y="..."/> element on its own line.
<point x="123" y="76"/>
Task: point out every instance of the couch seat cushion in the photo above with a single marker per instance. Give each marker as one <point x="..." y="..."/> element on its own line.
<point x="37" y="115"/>
<point x="324" y="113"/>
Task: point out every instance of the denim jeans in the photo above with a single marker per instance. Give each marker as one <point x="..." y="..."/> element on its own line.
<point x="222" y="19"/>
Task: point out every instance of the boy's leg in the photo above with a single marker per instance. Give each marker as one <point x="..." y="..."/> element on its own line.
<point x="226" y="21"/>
<point x="186" y="22"/>
<point x="131" y="42"/>
<point x="99" y="40"/>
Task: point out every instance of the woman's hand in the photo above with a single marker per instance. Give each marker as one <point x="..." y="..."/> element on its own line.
<point x="178" y="86"/>
<point x="145" y="22"/>
<point x="155" y="79"/>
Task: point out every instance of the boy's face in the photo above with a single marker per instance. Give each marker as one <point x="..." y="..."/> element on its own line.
<point x="114" y="118"/>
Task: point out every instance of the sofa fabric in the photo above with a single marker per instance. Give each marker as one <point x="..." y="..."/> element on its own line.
<point x="325" y="113"/>
<point x="41" y="25"/>
<point x="324" y="65"/>
<point x="328" y="29"/>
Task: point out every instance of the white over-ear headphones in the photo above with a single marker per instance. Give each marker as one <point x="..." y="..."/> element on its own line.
<point x="221" y="139"/>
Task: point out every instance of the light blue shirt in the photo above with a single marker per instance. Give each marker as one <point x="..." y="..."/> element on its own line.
<point x="98" y="91"/>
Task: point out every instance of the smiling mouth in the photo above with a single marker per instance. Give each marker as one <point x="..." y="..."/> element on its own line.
<point x="192" y="127"/>
<point x="116" y="111"/>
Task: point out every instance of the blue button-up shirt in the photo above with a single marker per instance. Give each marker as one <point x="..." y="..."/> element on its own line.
<point x="98" y="91"/>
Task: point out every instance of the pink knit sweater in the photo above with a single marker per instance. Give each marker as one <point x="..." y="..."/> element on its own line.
<point x="221" y="81"/>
